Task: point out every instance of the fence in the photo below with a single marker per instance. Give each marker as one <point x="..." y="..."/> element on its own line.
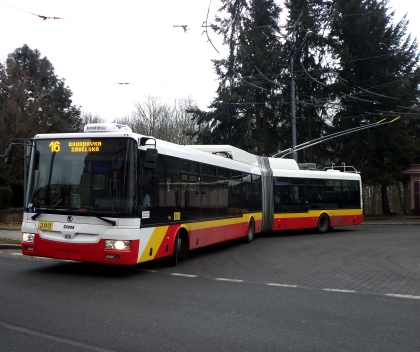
<point x="398" y="197"/>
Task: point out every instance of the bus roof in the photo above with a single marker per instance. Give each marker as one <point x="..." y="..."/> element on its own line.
<point x="222" y="155"/>
<point x="230" y="152"/>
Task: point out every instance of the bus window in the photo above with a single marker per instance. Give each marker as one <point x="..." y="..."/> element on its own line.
<point x="208" y="195"/>
<point x="235" y="193"/>
<point x="173" y="193"/>
<point x="191" y="202"/>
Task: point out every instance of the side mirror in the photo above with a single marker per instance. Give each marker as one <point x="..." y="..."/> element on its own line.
<point x="150" y="159"/>
<point x="8" y="153"/>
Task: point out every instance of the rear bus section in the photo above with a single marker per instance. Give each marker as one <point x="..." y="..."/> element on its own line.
<point x="317" y="200"/>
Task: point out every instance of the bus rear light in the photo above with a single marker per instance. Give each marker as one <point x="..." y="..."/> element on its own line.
<point x="28" y="237"/>
<point x="118" y="245"/>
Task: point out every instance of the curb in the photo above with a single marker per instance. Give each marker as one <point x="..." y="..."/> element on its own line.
<point x="10" y="228"/>
<point x="370" y="223"/>
<point x="10" y="246"/>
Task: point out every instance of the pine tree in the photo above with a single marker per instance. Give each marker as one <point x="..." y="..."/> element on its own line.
<point x="376" y="61"/>
<point x="32" y="100"/>
<point x="306" y="42"/>
<point x="245" y="112"/>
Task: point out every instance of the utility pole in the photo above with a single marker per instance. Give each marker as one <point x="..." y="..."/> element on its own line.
<point x="293" y="97"/>
<point x="293" y="108"/>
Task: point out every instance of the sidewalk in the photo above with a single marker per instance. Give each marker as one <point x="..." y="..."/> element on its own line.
<point x="10" y="234"/>
<point x="392" y="220"/>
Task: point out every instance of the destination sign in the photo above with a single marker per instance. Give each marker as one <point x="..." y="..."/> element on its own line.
<point x="77" y="146"/>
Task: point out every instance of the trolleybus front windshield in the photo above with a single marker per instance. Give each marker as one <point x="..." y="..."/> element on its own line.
<point x="82" y="176"/>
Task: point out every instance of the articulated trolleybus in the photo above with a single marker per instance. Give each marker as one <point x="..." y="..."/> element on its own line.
<point x="112" y="196"/>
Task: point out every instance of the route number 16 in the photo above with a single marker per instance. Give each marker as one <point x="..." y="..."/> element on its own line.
<point x="55" y="147"/>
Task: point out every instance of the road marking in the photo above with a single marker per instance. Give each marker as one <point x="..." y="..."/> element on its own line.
<point x="402" y="296"/>
<point x="236" y="280"/>
<point x="230" y="280"/>
<point x="184" y="275"/>
<point x="81" y="345"/>
<point x="281" y="285"/>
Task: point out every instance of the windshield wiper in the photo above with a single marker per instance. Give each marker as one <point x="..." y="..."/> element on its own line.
<point x="112" y="222"/>
<point x="33" y="217"/>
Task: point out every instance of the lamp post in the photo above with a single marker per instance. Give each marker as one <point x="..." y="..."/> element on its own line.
<point x="293" y="97"/>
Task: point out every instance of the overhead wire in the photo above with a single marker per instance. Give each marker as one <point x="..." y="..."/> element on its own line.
<point x="318" y="103"/>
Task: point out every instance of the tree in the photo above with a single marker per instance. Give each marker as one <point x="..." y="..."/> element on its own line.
<point x="154" y="118"/>
<point x="184" y="127"/>
<point x="245" y="111"/>
<point x="376" y="62"/>
<point x="32" y="100"/>
<point x="357" y="68"/>
<point x="88" y="117"/>
<point x="305" y="40"/>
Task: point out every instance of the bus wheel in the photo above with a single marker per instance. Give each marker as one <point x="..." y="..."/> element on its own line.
<point x="173" y="259"/>
<point x="250" y="236"/>
<point x="323" y="223"/>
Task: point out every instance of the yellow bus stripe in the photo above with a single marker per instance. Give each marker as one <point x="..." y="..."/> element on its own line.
<point x="224" y="222"/>
<point x="154" y="243"/>
<point x="317" y="212"/>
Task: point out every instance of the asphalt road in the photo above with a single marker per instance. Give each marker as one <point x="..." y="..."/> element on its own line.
<point x="354" y="289"/>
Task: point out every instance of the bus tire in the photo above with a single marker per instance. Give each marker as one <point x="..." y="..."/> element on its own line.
<point x="323" y="223"/>
<point x="173" y="259"/>
<point x="251" y="231"/>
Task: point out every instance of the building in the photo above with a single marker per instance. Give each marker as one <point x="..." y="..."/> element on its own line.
<point x="414" y="173"/>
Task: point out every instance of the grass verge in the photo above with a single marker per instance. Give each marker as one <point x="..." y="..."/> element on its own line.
<point x="10" y="225"/>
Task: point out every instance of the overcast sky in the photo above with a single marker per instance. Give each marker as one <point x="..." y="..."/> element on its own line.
<point x="99" y="44"/>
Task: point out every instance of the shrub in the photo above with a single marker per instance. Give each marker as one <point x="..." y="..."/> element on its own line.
<point x="6" y="195"/>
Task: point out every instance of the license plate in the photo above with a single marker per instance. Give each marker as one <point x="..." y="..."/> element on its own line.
<point x="45" y="225"/>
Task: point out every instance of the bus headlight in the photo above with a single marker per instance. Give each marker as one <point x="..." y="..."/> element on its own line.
<point x="117" y="244"/>
<point x="28" y="237"/>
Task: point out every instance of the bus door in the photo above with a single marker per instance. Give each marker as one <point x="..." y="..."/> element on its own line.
<point x="281" y="196"/>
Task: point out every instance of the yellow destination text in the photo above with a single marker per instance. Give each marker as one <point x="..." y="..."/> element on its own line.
<point x="87" y="147"/>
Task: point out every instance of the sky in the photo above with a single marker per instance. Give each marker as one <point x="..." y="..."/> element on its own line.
<point x="99" y="44"/>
